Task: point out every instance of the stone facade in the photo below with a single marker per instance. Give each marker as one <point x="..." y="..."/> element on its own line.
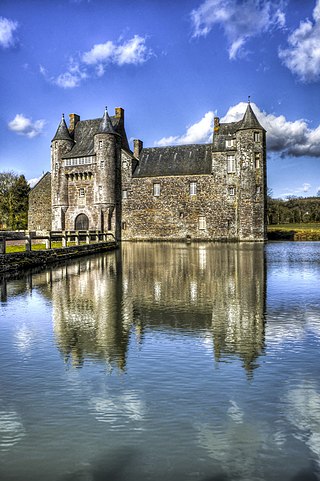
<point x="40" y="212"/>
<point x="199" y="192"/>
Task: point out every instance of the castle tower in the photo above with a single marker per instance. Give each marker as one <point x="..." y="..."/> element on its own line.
<point x="107" y="147"/>
<point x="251" y="152"/>
<point x="61" y="144"/>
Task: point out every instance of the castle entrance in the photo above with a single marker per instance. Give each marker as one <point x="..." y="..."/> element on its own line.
<point x="81" y="222"/>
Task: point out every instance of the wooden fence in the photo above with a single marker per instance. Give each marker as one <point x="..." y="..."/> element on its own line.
<point x="84" y="236"/>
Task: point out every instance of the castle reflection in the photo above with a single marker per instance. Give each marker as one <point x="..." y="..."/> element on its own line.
<point x="215" y="292"/>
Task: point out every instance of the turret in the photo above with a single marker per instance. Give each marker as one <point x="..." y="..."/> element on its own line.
<point x="60" y="145"/>
<point x="107" y="143"/>
<point x="251" y="146"/>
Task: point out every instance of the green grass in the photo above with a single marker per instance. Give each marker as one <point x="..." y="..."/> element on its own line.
<point x="298" y="232"/>
<point x="289" y="227"/>
<point x="11" y="249"/>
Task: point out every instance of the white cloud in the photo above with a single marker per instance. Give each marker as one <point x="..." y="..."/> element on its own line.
<point x="32" y="182"/>
<point x="200" y="132"/>
<point x="7" y="29"/>
<point x="292" y="138"/>
<point x="239" y="20"/>
<point x="289" y="138"/>
<point x="302" y="56"/>
<point x="24" y="126"/>
<point x="95" y="61"/>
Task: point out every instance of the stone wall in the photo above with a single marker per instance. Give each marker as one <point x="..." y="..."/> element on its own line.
<point x="39" y="215"/>
<point x="11" y="263"/>
<point x="210" y="214"/>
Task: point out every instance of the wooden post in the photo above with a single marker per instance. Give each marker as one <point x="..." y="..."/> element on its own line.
<point x="28" y="243"/>
<point x="77" y="242"/>
<point x="88" y="237"/>
<point x="64" y="239"/>
<point x="2" y="245"/>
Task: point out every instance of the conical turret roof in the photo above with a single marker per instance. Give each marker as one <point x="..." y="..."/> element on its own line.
<point x="106" y="126"/>
<point x="62" y="132"/>
<point x="249" y="120"/>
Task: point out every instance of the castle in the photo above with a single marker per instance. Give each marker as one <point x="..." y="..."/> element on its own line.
<point x="213" y="191"/>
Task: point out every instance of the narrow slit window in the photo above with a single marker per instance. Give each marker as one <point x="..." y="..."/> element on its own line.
<point x="231" y="164"/>
<point x="82" y="192"/>
<point x="257" y="160"/>
<point x="156" y="189"/>
<point x="256" y="136"/>
<point x="193" y="188"/>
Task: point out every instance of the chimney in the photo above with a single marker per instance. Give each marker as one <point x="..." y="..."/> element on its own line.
<point x="137" y="147"/>
<point x="73" y="120"/>
<point x="119" y="113"/>
<point x="216" y="125"/>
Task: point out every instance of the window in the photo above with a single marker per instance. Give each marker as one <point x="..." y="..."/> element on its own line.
<point x="256" y="136"/>
<point x="124" y="194"/>
<point x="231" y="164"/>
<point x="100" y="144"/>
<point x="230" y="143"/>
<point x="202" y="222"/>
<point x="100" y="192"/>
<point x="258" y="189"/>
<point x="82" y="192"/>
<point x="193" y="188"/>
<point x="156" y="190"/>
<point x="232" y="191"/>
<point x="257" y="160"/>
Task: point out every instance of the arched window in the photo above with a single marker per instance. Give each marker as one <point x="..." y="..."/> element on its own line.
<point x="82" y="222"/>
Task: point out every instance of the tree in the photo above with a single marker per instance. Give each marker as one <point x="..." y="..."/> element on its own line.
<point x="14" y="191"/>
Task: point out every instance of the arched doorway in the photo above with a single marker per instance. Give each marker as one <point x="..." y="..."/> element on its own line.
<point x="81" y="222"/>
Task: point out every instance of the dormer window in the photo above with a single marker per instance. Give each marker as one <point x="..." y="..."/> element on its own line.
<point x="230" y="143"/>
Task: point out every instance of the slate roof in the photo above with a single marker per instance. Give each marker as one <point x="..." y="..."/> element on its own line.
<point x="62" y="132"/>
<point x="249" y="120"/>
<point x="106" y="126"/>
<point x="178" y="160"/>
<point x="84" y="136"/>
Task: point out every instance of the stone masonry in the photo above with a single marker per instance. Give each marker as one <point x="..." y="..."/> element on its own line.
<point x="214" y="191"/>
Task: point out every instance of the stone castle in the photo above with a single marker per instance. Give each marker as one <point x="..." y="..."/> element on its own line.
<point x="213" y="191"/>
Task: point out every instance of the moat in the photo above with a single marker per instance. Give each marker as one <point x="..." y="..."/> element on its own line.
<point x="161" y="362"/>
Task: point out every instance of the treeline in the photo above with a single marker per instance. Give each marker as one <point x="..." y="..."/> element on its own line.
<point x="294" y="210"/>
<point x="14" y="191"/>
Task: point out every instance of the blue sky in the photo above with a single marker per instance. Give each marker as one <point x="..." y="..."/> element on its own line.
<point x="173" y="66"/>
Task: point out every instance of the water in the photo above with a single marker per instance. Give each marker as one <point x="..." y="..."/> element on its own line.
<point x="164" y="362"/>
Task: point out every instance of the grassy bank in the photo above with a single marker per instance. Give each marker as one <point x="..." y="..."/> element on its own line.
<point x="297" y="232"/>
<point x="12" y="249"/>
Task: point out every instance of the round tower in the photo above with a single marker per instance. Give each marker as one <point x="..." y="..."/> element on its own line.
<point x="107" y="147"/>
<point x="251" y="152"/>
<point x="60" y="145"/>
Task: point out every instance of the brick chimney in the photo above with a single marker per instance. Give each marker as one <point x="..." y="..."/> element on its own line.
<point x="73" y="120"/>
<point x="137" y="147"/>
<point x="216" y="125"/>
<point x="119" y="113"/>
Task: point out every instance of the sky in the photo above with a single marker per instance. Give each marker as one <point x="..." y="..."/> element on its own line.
<point x="172" y="65"/>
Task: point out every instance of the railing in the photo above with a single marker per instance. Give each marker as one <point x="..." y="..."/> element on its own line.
<point x="76" y="236"/>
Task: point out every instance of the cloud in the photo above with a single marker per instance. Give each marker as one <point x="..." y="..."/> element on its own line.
<point x="239" y="20"/>
<point x="95" y="61"/>
<point x="302" y="57"/>
<point x="32" y="182"/>
<point x="200" y="132"/>
<point x="24" y="126"/>
<point x="290" y="138"/>
<point x="7" y="29"/>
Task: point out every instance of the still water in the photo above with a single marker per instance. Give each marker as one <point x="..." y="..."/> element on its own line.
<point x="164" y="362"/>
